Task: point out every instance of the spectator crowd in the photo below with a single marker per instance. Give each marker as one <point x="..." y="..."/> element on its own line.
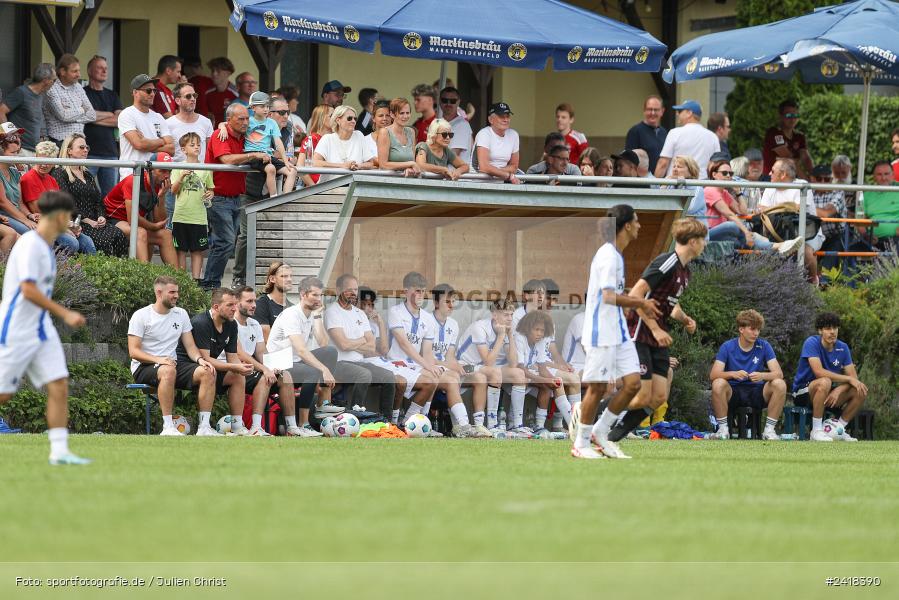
<point x="181" y="115"/>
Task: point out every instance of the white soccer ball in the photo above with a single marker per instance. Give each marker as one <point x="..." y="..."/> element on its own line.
<point x="418" y="426"/>
<point x="327" y="427"/>
<point x="224" y="424"/>
<point x="181" y="424"/>
<point x="346" y="425"/>
<point x="832" y="428"/>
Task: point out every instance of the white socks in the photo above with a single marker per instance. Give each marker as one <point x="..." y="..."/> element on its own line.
<point x="817" y="423"/>
<point x="459" y="414"/>
<point x="257" y="421"/>
<point x="59" y="441"/>
<point x="604" y="424"/>
<point x="517" y="410"/>
<point x="414" y="409"/>
<point x="237" y="421"/>
<point x="167" y="422"/>
<point x="493" y="394"/>
<point x="478" y="418"/>
<point x="426" y="409"/>
<point x="204" y="419"/>
<point x="540" y="420"/>
<point x="564" y="407"/>
<point x="583" y="435"/>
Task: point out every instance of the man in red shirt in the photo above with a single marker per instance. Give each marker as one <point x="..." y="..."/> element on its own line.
<point x="168" y="72"/>
<point x="575" y="140"/>
<point x="193" y="70"/>
<point x="226" y="215"/>
<point x="894" y="139"/>
<point x="425" y="98"/>
<point x="786" y="142"/>
<point x="151" y="217"/>
<point x="222" y="93"/>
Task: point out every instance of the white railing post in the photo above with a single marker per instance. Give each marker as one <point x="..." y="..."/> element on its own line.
<point x="135" y="210"/>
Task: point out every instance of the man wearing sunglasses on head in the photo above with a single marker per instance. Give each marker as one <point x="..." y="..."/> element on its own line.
<point x="143" y="131"/>
<point x="785" y="141"/>
<point x="450" y="101"/>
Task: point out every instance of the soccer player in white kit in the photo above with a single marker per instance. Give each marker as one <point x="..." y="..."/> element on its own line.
<point x="610" y="351"/>
<point x="29" y="344"/>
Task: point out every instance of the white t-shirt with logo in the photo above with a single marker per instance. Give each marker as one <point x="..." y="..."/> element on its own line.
<point x="202" y="127"/>
<point x="479" y="333"/>
<point x="445" y="336"/>
<point x="31" y="259"/>
<point x="159" y="334"/>
<point x="501" y="147"/>
<point x="292" y="321"/>
<point x="417" y="329"/>
<point x="531" y="355"/>
<point x="150" y="124"/>
<point x="605" y="324"/>
<point x="354" y="324"/>
<point x="248" y="336"/>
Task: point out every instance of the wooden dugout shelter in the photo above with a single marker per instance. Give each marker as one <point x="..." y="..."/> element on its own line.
<point x="480" y="237"/>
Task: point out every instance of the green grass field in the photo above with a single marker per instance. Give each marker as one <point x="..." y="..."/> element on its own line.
<point x="688" y="507"/>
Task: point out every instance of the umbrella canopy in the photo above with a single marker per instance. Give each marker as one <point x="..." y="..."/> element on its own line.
<point x="500" y="33"/>
<point x="851" y="43"/>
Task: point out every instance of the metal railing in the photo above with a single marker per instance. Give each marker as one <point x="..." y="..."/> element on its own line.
<point x="137" y="168"/>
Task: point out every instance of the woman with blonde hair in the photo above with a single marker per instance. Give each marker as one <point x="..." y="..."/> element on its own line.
<point x="345" y="147"/>
<point x="80" y="183"/>
<point x="396" y="149"/>
<point x="319" y="125"/>
<point x="685" y="167"/>
<point x="435" y="155"/>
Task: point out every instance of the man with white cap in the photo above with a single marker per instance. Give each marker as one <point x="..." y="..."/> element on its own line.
<point x="690" y="138"/>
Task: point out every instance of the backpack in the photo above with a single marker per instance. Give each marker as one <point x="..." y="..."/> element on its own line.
<point x="271" y="414"/>
<point x="781" y="222"/>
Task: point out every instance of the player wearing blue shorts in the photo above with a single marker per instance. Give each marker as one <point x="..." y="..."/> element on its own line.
<point x="29" y="343"/>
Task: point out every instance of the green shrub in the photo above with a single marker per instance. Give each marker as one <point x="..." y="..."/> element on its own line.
<point x="99" y="402"/>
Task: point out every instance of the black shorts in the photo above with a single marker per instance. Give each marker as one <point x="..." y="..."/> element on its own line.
<point x="279" y="164"/>
<point x="189" y="237"/>
<point x="258" y="165"/>
<point x="748" y="395"/>
<point x="251" y="381"/>
<point x="653" y="361"/>
<point x="184" y="375"/>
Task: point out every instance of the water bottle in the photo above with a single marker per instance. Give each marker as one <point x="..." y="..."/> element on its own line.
<point x="308" y="160"/>
<point x="502" y="419"/>
<point x="860" y="206"/>
<point x="789" y="437"/>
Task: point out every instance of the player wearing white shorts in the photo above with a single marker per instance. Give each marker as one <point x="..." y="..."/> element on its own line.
<point x="443" y="353"/>
<point x="486" y="347"/>
<point x="532" y="338"/>
<point x="409" y="382"/>
<point x="153" y="335"/>
<point x="572" y="349"/>
<point x="29" y="344"/>
<point x="250" y="350"/>
<point x="610" y="351"/>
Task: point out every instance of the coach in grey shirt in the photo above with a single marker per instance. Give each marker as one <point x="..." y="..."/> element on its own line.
<point x="24" y="106"/>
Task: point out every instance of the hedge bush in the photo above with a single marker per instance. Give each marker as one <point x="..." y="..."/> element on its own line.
<point x="99" y="402"/>
<point x="73" y="288"/>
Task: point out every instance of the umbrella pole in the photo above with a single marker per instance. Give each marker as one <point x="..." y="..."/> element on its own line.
<point x="863" y="141"/>
<point x="442" y="85"/>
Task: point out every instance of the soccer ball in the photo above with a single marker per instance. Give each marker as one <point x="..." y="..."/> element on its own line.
<point x="327" y="426"/>
<point x="832" y="428"/>
<point x="181" y="424"/>
<point x="418" y="426"/>
<point x="224" y="424"/>
<point x="345" y="425"/>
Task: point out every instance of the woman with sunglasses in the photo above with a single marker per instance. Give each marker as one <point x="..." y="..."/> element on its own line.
<point x="20" y="218"/>
<point x="396" y="149"/>
<point x="80" y="183"/>
<point x="723" y="210"/>
<point x="435" y="155"/>
<point x="345" y="147"/>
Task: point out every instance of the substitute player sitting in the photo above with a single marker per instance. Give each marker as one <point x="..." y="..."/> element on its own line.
<point x="154" y="333"/>
<point x="826" y="378"/>
<point x="532" y="338"/>
<point x="29" y="343"/>
<point x="443" y="353"/>
<point x="746" y="373"/>
<point x="486" y="347"/>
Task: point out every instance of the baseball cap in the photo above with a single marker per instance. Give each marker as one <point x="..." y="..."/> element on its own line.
<point x="142" y="80"/>
<point x="160" y="157"/>
<point x="821" y="171"/>
<point x="10" y="128"/>
<point x="499" y="108"/>
<point x="720" y="156"/>
<point x="258" y="98"/>
<point x="628" y="155"/>
<point x="692" y="105"/>
<point x="753" y="154"/>
<point x="333" y="86"/>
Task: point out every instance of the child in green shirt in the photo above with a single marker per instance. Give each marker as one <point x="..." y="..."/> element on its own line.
<point x="193" y="194"/>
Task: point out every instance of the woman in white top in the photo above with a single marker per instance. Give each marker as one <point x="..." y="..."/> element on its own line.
<point x="497" y="145"/>
<point x="435" y="155"/>
<point x="396" y="147"/>
<point x="381" y="120"/>
<point x="345" y="148"/>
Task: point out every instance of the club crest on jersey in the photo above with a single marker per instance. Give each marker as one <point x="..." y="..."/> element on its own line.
<point x="643" y="369"/>
<point x="176" y="326"/>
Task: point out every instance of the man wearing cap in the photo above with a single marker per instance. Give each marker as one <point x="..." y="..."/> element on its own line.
<point x="168" y="73"/>
<point x="424" y="97"/>
<point x="333" y="93"/>
<point x="626" y="164"/>
<point x="25" y="106"/>
<point x="100" y="135"/>
<point x="690" y="138"/>
<point x="225" y="214"/>
<point x="66" y="107"/>
<point x="649" y="134"/>
<point x="555" y="162"/>
<point x="497" y="145"/>
<point x="151" y="229"/>
<point x="784" y="141"/>
<point x="142" y="131"/>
